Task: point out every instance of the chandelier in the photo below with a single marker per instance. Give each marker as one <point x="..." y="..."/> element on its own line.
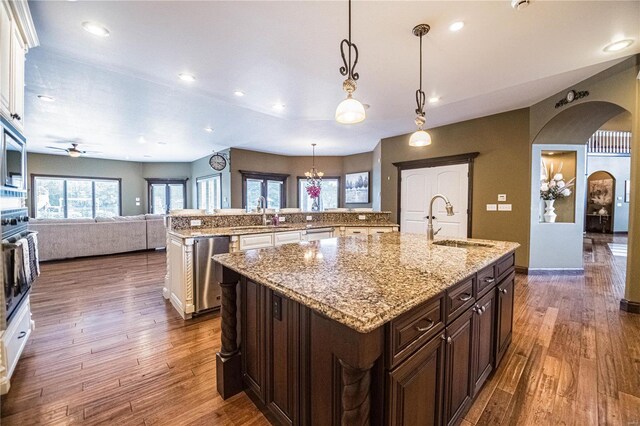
<point x="420" y="137"/>
<point x="349" y="111"/>
<point x="314" y="177"/>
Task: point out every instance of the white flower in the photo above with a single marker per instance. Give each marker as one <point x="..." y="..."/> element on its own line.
<point x="558" y="176"/>
<point x="560" y="184"/>
<point x="544" y="187"/>
<point x="566" y="192"/>
<point x="552" y="184"/>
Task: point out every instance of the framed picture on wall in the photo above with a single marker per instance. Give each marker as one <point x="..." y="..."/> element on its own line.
<point x="356" y="188"/>
<point x="627" y="191"/>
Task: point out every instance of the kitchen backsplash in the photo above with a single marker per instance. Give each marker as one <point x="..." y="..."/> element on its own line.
<point x="249" y="219"/>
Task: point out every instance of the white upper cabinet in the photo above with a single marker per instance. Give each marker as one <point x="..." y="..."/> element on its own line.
<point x="5" y="58"/>
<point x="17" y="34"/>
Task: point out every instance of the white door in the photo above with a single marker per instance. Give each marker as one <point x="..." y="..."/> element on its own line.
<point x="419" y="185"/>
<point x="17" y="75"/>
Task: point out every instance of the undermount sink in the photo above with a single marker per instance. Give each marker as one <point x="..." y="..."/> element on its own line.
<point x="456" y="243"/>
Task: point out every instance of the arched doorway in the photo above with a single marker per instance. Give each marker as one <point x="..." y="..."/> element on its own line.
<point x="559" y="246"/>
<point x="600" y="202"/>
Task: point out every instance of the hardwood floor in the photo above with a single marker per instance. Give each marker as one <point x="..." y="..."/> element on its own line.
<point x="108" y="349"/>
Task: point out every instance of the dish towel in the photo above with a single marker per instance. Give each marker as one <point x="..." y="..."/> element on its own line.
<point x="26" y="259"/>
<point x="34" y="264"/>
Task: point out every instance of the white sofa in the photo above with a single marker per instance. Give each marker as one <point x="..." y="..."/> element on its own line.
<point x="68" y="238"/>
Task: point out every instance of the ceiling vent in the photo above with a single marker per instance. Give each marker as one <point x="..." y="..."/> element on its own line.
<point x="520" y="4"/>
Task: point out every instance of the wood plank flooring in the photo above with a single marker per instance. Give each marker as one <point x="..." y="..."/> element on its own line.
<point x="108" y="349"/>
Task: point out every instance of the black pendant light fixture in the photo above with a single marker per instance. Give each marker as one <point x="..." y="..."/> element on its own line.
<point x="349" y="111"/>
<point x="420" y="137"/>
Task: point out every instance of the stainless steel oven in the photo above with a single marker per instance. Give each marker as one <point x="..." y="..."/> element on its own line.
<point x="17" y="284"/>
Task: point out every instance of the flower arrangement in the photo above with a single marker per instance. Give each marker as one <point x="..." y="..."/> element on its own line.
<point x="552" y="185"/>
<point x="313" y="190"/>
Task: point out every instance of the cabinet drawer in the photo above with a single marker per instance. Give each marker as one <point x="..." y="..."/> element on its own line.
<point x="412" y="329"/>
<point x="504" y="265"/>
<point x="459" y="298"/>
<point x="361" y="232"/>
<point x="16" y="336"/>
<point x="315" y="236"/>
<point x="287" y="237"/>
<point x="486" y="280"/>
<point x="381" y="230"/>
<point x="256" y="241"/>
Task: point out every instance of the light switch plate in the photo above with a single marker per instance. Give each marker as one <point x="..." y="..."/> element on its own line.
<point x="137" y="203"/>
<point x="502" y="197"/>
<point x="504" y="207"/>
<point x="309" y="217"/>
<point x="362" y="217"/>
<point x="619" y="204"/>
<point x="196" y="222"/>
<point x="492" y="207"/>
<point x="282" y="218"/>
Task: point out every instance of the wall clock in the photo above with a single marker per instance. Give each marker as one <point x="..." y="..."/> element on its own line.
<point x="571" y="95"/>
<point x="218" y="162"/>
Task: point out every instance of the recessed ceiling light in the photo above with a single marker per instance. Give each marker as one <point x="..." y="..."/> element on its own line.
<point x="434" y="99"/>
<point x="239" y="93"/>
<point x="142" y="140"/>
<point x="278" y="106"/>
<point x="618" y="45"/>
<point x="95" y="29"/>
<point x="456" y="26"/>
<point x="208" y="129"/>
<point x="147" y="156"/>
<point x="185" y="76"/>
<point x="46" y="98"/>
<point x="162" y="143"/>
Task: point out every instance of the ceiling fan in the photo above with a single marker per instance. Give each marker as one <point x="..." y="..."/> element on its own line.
<point x="73" y="151"/>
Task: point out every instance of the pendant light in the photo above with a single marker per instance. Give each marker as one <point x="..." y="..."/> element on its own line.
<point x="349" y="111"/>
<point x="420" y="137"/>
<point x="314" y="177"/>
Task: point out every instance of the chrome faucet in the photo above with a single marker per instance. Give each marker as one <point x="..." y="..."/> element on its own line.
<point x="447" y="205"/>
<point x="262" y="203"/>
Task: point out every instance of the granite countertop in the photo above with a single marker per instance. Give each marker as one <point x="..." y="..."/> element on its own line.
<point x="257" y="229"/>
<point x="364" y="283"/>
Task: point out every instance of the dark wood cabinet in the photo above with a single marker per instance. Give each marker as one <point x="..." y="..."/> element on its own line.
<point x="459" y="357"/>
<point x="483" y="339"/>
<point x="504" y="314"/>
<point x="253" y="336"/>
<point x="416" y="387"/>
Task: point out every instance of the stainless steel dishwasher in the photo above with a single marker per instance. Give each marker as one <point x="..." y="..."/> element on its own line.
<point x="206" y="289"/>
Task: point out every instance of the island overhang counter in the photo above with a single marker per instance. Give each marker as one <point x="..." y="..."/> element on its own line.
<point x="391" y="329"/>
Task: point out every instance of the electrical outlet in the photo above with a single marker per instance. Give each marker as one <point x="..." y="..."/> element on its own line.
<point x="137" y="198"/>
<point x="282" y="219"/>
<point x="196" y="222"/>
<point x="492" y="207"/>
<point x="502" y="197"/>
<point x="309" y="217"/>
<point x="362" y="217"/>
<point x="504" y="207"/>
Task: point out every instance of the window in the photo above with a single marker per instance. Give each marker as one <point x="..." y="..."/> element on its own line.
<point x="209" y="193"/>
<point x="329" y="194"/>
<point x="57" y="197"/>
<point x="166" y="195"/>
<point x="271" y="186"/>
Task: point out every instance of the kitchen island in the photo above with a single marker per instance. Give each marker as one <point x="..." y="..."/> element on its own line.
<point x="390" y="329"/>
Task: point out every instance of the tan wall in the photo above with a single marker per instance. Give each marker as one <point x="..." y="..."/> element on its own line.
<point x="503" y="166"/>
<point x="132" y="174"/>
<point x="621" y="122"/>
<point x="294" y="166"/>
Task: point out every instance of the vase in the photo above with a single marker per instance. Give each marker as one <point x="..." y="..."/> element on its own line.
<point x="603" y="211"/>
<point x="549" y="211"/>
<point x="315" y="206"/>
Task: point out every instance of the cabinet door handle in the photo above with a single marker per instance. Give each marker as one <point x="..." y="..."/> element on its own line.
<point x="427" y="328"/>
<point x="22" y="334"/>
<point x="446" y="339"/>
<point x="503" y="290"/>
<point x="489" y="280"/>
<point x="464" y="297"/>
